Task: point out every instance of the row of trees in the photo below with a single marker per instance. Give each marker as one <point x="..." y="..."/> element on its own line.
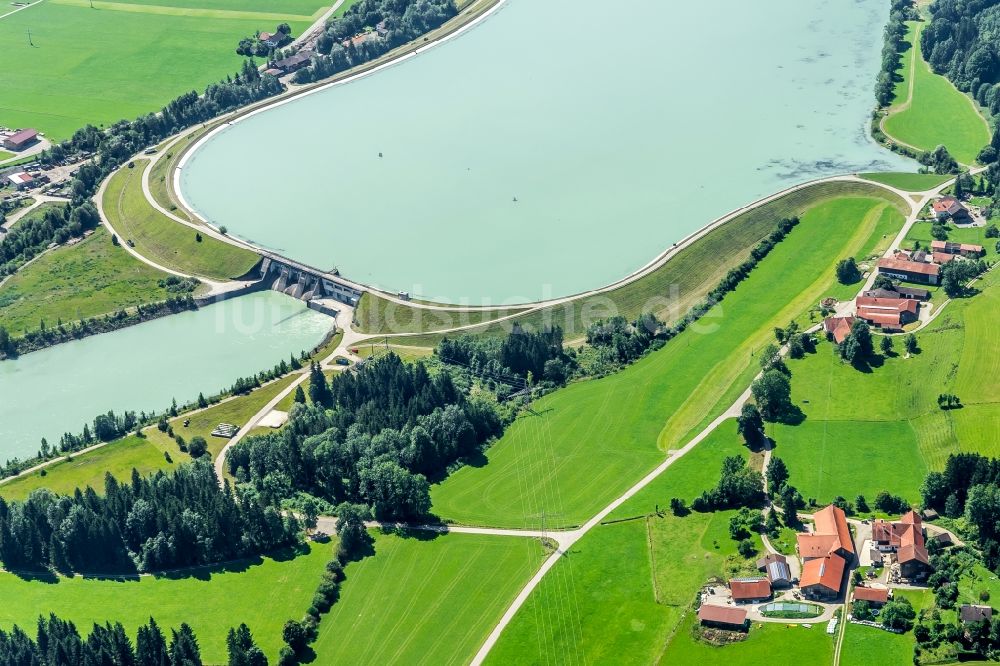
<point x="47" y="336"/>
<point x="369" y="437"/>
<point x="895" y="32"/>
<point x="57" y="642"/>
<point x="159" y="522"/>
<point x="402" y="21"/>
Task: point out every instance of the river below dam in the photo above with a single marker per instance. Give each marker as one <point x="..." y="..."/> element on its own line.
<point x="142" y="368"/>
<point x="555" y="147"/>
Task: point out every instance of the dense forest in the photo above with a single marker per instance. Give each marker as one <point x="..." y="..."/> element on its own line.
<point x="57" y="642"/>
<point x="370" y="29"/>
<point x="371" y="437"/>
<point x="155" y="523"/>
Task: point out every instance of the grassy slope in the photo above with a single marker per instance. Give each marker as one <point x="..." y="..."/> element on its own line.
<point x="911" y="182"/>
<point x="263" y="593"/>
<point x="671" y="290"/>
<point x="97" y="65"/>
<point x="935" y="98"/>
<point x="375" y="314"/>
<point x="236" y="411"/>
<point x="119" y="458"/>
<point x="599" y="602"/>
<point x="587" y="443"/>
<point x="75" y="282"/>
<point x="882" y="430"/>
<point x="146" y="454"/>
<point x="166" y="242"/>
<point x="425" y="599"/>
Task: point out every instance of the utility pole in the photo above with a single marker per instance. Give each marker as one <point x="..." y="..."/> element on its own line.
<point x="30" y="43"/>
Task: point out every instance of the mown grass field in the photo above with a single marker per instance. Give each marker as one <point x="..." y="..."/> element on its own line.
<point x="425" y="599"/>
<point x="911" y="182"/>
<point x="118" y="458"/>
<point x="624" y="588"/>
<point x="936" y="113"/>
<point x="583" y="445"/>
<point x="124" y="59"/>
<point x="675" y="287"/>
<point x="868" y="646"/>
<point x="163" y="240"/>
<point x="263" y="593"/>
<point x="767" y="643"/>
<point x="881" y="429"/>
<point x="75" y="282"/>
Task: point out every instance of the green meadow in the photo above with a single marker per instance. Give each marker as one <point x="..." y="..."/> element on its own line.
<point x="582" y="446"/>
<point x="424" y="598"/>
<point x="124" y="59"/>
<point x="880" y="428"/>
<point x="117" y="458"/>
<point x="624" y="588"/>
<point x="74" y="282"/>
<point x="911" y="182"/>
<point x="264" y="593"/>
<point x="163" y="240"/>
<point x="766" y="643"/>
<point x="869" y="646"/>
<point x="929" y="111"/>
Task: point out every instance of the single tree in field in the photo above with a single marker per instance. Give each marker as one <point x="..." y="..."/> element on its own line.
<point x="772" y="392"/>
<point x="300" y="395"/>
<point x="197" y="447"/>
<point x="750" y="424"/>
<point x="911" y="344"/>
<point x="351" y="527"/>
<point x="886" y="345"/>
<point x="847" y="271"/>
<point x="789" y="504"/>
<point x="777" y="474"/>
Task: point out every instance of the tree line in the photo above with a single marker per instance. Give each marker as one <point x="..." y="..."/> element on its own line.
<point x="45" y="336"/>
<point x="892" y="49"/>
<point x="370" y="437"/>
<point x="57" y="642"/>
<point x="402" y="20"/>
<point x="960" y="42"/>
<point x="160" y="522"/>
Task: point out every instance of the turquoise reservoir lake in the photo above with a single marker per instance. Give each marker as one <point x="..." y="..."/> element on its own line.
<point x="142" y="368"/>
<point x="618" y="131"/>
